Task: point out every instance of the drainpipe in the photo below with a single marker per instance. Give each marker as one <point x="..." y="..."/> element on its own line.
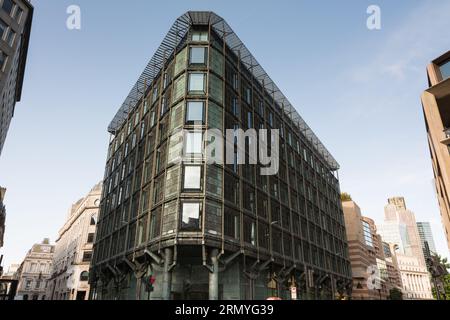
<point x="167" y="275"/>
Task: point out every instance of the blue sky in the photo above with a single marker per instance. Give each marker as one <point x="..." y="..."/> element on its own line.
<point x="358" y="89"/>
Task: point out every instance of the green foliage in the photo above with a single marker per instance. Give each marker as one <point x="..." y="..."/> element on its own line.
<point x="395" y="294"/>
<point x="444" y="284"/>
<point x="346" y="197"/>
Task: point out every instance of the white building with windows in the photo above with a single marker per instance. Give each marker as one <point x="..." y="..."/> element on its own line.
<point x="73" y="250"/>
<point x="400" y="229"/>
<point x="34" y="272"/>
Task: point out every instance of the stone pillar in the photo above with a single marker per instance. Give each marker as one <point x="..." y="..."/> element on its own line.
<point x="167" y="275"/>
<point x="214" y="276"/>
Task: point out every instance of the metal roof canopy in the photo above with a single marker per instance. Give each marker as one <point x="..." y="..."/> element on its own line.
<point x="173" y="39"/>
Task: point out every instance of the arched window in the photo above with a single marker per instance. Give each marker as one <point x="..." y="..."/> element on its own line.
<point x="84" y="276"/>
<point x="93" y="220"/>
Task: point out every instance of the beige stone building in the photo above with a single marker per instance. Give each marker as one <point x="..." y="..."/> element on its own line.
<point x="400" y="228"/>
<point x="73" y="251"/>
<point x="436" y="108"/>
<point x="34" y="272"/>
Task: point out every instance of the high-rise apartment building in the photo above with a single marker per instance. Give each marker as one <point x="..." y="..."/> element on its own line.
<point x="73" y="250"/>
<point x="436" y="108"/>
<point x="426" y="239"/>
<point x="34" y="272"/>
<point x="15" y="28"/>
<point x="400" y="229"/>
<point x="210" y="231"/>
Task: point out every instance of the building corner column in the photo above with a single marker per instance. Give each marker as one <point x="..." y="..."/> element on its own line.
<point x="214" y="276"/>
<point x="167" y="276"/>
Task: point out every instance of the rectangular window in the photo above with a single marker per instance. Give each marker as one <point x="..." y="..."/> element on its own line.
<point x="250" y="231"/>
<point x="194" y="112"/>
<point x="197" y="83"/>
<point x="249" y="120"/>
<point x="142" y="230"/>
<point x="367" y="234"/>
<point x="18" y="14"/>
<point x="235" y="81"/>
<point x="197" y="55"/>
<point x="8" y="6"/>
<point x="193" y="143"/>
<point x="3" y="28"/>
<point x="235" y="107"/>
<point x="3" y="60"/>
<point x="87" y="256"/>
<point x="200" y="36"/>
<point x="90" y="238"/>
<point x="231" y="226"/>
<point x="192" y="178"/>
<point x="190" y="216"/>
<point x="445" y="70"/>
<point x="155" y="223"/>
<point x="10" y="38"/>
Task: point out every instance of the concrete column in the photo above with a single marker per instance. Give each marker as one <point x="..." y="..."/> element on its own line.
<point x="167" y="275"/>
<point x="138" y="287"/>
<point x="214" y="276"/>
<point x="333" y="287"/>
<point x="308" y="290"/>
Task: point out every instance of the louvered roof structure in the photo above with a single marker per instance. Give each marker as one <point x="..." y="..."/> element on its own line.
<point x="173" y="39"/>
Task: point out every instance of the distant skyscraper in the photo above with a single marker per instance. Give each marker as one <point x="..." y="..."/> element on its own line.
<point x="426" y="237"/>
<point x="400" y="228"/>
<point x="15" y="29"/>
<point x="436" y="108"/>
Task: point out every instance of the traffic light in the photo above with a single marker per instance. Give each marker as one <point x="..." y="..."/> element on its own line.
<point x="149" y="281"/>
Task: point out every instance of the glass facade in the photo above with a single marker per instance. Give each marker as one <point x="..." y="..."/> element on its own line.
<point x="367" y="234"/>
<point x="293" y="218"/>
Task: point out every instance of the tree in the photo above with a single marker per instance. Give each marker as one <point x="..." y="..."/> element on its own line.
<point x="444" y="288"/>
<point x="395" y="294"/>
<point x="438" y="267"/>
<point x="346" y="197"/>
<point x="443" y="261"/>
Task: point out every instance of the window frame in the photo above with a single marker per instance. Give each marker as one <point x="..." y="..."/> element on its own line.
<point x="191" y="49"/>
<point x="13" y="6"/>
<point x="185" y="149"/>
<point x="197" y="92"/>
<point x="184" y="188"/>
<point x="200" y="215"/>
<point x="201" y="36"/>
<point x="194" y="122"/>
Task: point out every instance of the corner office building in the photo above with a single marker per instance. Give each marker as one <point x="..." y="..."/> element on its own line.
<point x="211" y="231"/>
<point x="15" y="28"/>
<point x="436" y="108"/>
